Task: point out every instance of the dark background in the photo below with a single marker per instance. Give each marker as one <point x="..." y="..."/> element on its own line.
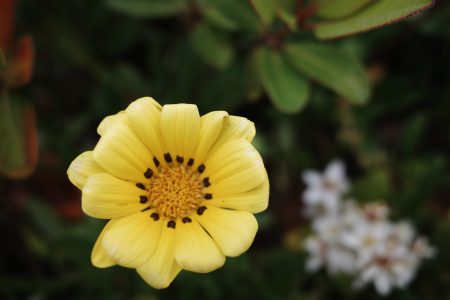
<point x="91" y="61"/>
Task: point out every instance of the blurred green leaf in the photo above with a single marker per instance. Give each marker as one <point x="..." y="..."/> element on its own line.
<point x="380" y="13"/>
<point x="412" y="133"/>
<point x="44" y="218"/>
<point x="332" y="68"/>
<point x="372" y="187"/>
<point x="421" y="178"/>
<point x="35" y="242"/>
<point x="286" y="13"/>
<point x="265" y="220"/>
<point x="288" y="18"/>
<point x="212" y="48"/>
<point x="74" y="47"/>
<point x="216" y="17"/>
<point x="439" y="25"/>
<point x="13" y="142"/>
<point x="266" y="10"/>
<point x="424" y="171"/>
<point x="147" y="8"/>
<point x="334" y="9"/>
<point x="238" y="12"/>
<point x="253" y="87"/>
<point x="128" y="80"/>
<point x="227" y="96"/>
<point x="144" y="297"/>
<point x="288" y="89"/>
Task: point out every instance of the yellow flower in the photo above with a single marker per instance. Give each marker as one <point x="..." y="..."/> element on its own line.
<point x="179" y="190"/>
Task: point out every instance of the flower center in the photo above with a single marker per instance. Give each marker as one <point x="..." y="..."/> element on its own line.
<point x="329" y="186"/>
<point x="383" y="261"/>
<point x="368" y="241"/>
<point x="176" y="191"/>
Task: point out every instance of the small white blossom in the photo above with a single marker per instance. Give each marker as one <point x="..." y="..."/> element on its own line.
<point x="376" y="211"/>
<point x="389" y="268"/>
<point x="358" y="240"/>
<point x="323" y="192"/>
<point x="402" y="233"/>
<point x="340" y="260"/>
<point x="316" y="249"/>
<point x="336" y="258"/>
<point x="351" y="215"/>
<point x="328" y="227"/>
<point x="422" y="248"/>
<point x="365" y="239"/>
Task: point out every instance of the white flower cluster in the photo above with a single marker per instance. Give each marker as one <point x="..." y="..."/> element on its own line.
<point x="358" y="240"/>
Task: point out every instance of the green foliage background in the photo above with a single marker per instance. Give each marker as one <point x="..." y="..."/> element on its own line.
<point x="94" y="57"/>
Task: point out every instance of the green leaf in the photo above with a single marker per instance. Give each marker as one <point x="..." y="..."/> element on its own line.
<point x="266" y="10"/>
<point x="334" y="9"/>
<point x="412" y="133"/>
<point x="216" y="17"/>
<point x="288" y="18"/>
<point x="252" y="84"/>
<point x="35" y="243"/>
<point x="147" y="8"/>
<point x="18" y="142"/>
<point x="265" y="220"/>
<point x="12" y="145"/>
<point x="373" y="186"/>
<point x="332" y="68"/>
<point x="211" y="47"/>
<point x="44" y="218"/>
<point x="238" y="12"/>
<point x="288" y="89"/>
<point x="380" y="13"/>
<point x="286" y="13"/>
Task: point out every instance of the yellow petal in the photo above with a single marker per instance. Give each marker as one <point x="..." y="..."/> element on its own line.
<point x="232" y="230"/>
<point x="211" y="126"/>
<point x="145" y="114"/>
<point x="107" y="197"/>
<point x="180" y="129"/>
<point x="99" y="257"/>
<point x="81" y="168"/>
<point x="255" y="200"/>
<point x="234" y="128"/>
<point x="107" y="122"/>
<point x="236" y="167"/>
<point x="195" y="250"/>
<point x="133" y="239"/>
<point x="161" y="269"/>
<point x="121" y="153"/>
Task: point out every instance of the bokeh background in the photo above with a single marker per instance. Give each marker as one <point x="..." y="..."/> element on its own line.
<point x="92" y="58"/>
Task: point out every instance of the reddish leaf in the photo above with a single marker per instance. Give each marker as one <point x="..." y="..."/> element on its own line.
<point x="6" y="24"/>
<point x="21" y="68"/>
<point x="70" y="207"/>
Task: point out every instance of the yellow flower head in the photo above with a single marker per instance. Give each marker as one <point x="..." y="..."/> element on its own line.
<point x="179" y="190"/>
